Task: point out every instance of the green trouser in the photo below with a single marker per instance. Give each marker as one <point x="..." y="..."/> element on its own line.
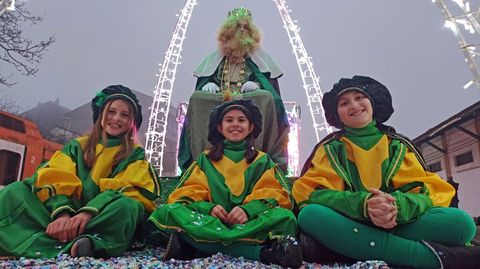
<point x="401" y="246"/>
<point x="24" y="220"/>
<point x="239" y="249"/>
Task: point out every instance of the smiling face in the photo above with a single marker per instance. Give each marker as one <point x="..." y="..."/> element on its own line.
<point x="235" y="126"/>
<point x="354" y="109"/>
<point x="117" y="118"/>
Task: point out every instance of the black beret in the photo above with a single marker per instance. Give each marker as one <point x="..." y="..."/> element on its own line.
<point x="114" y="92"/>
<point x="377" y="93"/>
<point x="248" y="108"/>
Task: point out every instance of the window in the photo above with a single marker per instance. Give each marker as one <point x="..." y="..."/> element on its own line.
<point x="12" y="124"/>
<point x="9" y="165"/>
<point x="435" y="167"/>
<point x="464" y="158"/>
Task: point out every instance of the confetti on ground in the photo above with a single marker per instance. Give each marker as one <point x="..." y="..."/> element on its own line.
<point x="150" y="259"/>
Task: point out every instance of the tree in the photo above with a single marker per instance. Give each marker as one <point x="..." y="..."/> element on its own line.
<point x="17" y="50"/>
<point x="10" y="105"/>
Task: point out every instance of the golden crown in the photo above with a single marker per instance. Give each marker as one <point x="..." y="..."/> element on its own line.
<point x="240" y="13"/>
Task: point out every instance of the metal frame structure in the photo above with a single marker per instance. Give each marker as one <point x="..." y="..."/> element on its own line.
<point x="293" y="113"/>
<point x="311" y="83"/>
<point x="462" y="19"/>
<point x="7" y="5"/>
<point x="157" y="125"/>
<point x="156" y="133"/>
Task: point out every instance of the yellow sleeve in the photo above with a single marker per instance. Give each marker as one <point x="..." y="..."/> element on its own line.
<point x="320" y="175"/>
<point x="440" y="191"/>
<point x="136" y="174"/>
<point x="194" y="187"/>
<point x="58" y="177"/>
<point x="268" y="186"/>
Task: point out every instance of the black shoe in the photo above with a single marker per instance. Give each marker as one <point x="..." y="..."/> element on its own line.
<point x="464" y="257"/>
<point x="285" y="252"/>
<point x="313" y="251"/>
<point x="178" y="249"/>
<point x="85" y="247"/>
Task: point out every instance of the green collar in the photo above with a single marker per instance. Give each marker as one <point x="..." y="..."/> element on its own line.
<point x="365" y="137"/>
<point x="111" y="142"/>
<point x="235" y="151"/>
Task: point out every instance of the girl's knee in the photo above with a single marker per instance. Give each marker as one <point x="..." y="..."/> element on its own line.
<point x="313" y="216"/>
<point x="459" y="224"/>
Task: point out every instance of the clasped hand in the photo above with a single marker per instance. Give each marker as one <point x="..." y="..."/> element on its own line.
<point x="65" y="228"/>
<point x="382" y="209"/>
<point x="236" y="216"/>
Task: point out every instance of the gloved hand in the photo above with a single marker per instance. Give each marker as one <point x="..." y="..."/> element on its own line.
<point x="249" y="86"/>
<point x="211" y="87"/>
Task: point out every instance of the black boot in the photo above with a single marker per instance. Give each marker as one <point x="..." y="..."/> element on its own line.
<point x="178" y="249"/>
<point x="85" y="247"/>
<point x="285" y="252"/>
<point x="313" y="251"/>
<point x="456" y="257"/>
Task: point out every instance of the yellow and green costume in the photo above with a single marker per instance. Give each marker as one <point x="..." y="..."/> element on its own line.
<point x="113" y="194"/>
<point x="333" y="190"/>
<point x="259" y="188"/>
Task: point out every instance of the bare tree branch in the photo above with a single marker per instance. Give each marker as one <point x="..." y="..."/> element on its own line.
<point x="10" y="105"/>
<point x="16" y="49"/>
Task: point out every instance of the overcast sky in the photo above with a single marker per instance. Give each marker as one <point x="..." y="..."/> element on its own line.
<point x="403" y="44"/>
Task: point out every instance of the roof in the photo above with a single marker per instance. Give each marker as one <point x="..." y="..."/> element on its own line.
<point x="455" y="120"/>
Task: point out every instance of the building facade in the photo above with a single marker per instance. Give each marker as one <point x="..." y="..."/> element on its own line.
<point x="452" y="149"/>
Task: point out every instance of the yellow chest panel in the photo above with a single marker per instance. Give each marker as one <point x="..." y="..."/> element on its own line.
<point x="368" y="162"/>
<point x="104" y="163"/>
<point x="233" y="174"/>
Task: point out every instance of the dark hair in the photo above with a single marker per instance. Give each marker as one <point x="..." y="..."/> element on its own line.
<point x="248" y="108"/>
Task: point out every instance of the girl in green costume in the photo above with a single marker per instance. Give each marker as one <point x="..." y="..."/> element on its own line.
<point x="233" y="199"/>
<point x="365" y="192"/>
<point x="87" y="199"/>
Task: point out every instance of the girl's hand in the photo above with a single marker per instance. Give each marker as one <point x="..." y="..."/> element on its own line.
<point x="76" y="224"/>
<point x="219" y="212"/>
<point x="56" y="229"/>
<point x="382" y="209"/>
<point x="237" y="216"/>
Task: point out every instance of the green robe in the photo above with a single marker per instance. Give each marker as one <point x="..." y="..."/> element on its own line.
<point x="64" y="184"/>
<point x="259" y="188"/>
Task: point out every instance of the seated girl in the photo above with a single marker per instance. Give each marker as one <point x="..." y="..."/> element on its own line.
<point x="87" y="199"/>
<point x="233" y="199"/>
<point x="365" y="192"/>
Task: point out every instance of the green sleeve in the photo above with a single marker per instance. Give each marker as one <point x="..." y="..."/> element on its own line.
<point x="96" y="204"/>
<point x="58" y="204"/>
<point x="410" y="205"/>
<point x="255" y="207"/>
<point x="350" y="204"/>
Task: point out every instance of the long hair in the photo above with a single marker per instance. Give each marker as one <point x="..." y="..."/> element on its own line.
<point x="128" y="139"/>
<point x="217" y="151"/>
<point x="236" y="44"/>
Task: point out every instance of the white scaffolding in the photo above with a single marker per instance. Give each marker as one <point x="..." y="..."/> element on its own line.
<point x="311" y="82"/>
<point x="461" y="17"/>
<point x="157" y="127"/>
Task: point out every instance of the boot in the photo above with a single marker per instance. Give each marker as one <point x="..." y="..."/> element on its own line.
<point x="85" y="247"/>
<point x="464" y="257"/>
<point x="285" y="252"/>
<point x="313" y="251"/>
<point x="178" y="249"/>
